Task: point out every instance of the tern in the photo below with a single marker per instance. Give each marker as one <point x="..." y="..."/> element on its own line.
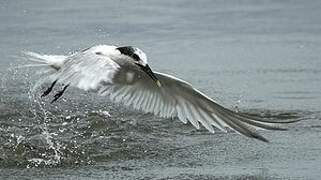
<point x="124" y="76"/>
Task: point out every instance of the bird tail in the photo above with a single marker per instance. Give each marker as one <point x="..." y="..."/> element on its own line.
<point x="53" y="61"/>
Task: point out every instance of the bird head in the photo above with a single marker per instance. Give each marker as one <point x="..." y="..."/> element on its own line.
<point x="139" y="58"/>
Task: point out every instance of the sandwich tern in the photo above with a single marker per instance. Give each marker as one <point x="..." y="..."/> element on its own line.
<point x="123" y="74"/>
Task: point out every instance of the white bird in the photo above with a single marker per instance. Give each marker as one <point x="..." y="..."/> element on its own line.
<point x="123" y="74"/>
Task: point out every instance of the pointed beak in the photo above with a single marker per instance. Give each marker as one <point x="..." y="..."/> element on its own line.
<point x="150" y="73"/>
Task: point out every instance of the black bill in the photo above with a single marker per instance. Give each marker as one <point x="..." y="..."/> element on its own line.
<point x="150" y="73"/>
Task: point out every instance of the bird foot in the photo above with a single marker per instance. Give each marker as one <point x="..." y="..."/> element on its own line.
<point x="46" y="92"/>
<point x="59" y="94"/>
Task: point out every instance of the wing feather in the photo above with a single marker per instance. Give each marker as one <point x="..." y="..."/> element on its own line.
<point x="190" y="115"/>
<point x="199" y="115"/>
<point x="211" y="120"/>
<point x="180" y="114"/>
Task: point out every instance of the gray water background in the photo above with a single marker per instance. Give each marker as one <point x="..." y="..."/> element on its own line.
<point x="262" y="57"/>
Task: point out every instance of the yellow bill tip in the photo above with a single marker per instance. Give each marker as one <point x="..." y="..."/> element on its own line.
<point x="158" y="83"/>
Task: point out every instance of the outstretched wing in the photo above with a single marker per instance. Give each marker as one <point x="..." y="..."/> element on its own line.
<point x="88" y="68"/>
<point x="177" y="98"/>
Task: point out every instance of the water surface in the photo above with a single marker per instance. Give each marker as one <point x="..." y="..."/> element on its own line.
<point x="260" y="57"/>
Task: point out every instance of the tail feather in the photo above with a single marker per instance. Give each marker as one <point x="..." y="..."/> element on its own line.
<point x="53" y="61"/>
<point x="31" y="65"/>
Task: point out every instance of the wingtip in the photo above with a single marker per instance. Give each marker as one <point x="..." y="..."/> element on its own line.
<point x="260" y="138"/>
<point x="264" y="140"/>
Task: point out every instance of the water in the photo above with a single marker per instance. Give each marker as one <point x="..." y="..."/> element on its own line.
<point x="261" y="57"/>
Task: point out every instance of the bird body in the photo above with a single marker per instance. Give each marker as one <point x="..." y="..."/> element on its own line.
<point x="123" y="75"/>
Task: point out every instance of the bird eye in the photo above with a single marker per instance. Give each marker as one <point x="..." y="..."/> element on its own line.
<point x="136" y="57"/>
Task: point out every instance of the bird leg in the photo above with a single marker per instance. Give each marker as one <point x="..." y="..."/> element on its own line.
<point x="45" y="93"/>
<point x="59" y="94"/>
